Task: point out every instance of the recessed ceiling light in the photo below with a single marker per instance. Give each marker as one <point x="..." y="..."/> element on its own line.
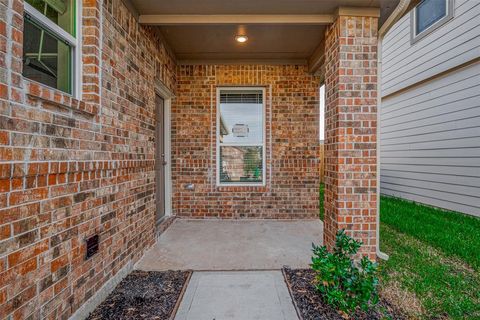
<point x="241" y="38"/>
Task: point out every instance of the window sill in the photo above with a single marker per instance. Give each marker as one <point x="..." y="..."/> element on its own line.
<point x="39" y="91"/>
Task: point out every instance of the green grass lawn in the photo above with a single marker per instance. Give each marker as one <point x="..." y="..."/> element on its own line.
<point x="434" y="267"/>
<point x="434" y="260"/>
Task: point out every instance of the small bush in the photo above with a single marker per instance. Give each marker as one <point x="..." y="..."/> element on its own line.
<point x="345" y="284"/>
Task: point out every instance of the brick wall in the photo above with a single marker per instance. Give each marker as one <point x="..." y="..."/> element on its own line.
<point x="72" y="168"/>
<point x="292" y="146"/>
<point x="350" y="130"/>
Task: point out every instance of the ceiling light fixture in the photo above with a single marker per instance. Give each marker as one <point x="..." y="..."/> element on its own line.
<point x="241" y="38"/>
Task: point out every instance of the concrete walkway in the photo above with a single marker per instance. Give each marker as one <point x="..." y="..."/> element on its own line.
<point x="236" y="265"/>
<point x="233" y="245"/>
<point x="245" y="295"/>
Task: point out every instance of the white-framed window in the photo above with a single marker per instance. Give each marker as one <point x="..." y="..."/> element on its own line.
<point x="51" y="53"/>
<point x="428" y="15"/>
<point x="241" y="136"/>
<point x="322" y="114"/>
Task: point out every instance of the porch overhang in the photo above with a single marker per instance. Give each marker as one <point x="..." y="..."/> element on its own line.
<point x="335" y="39"/>
<point x="286" y="32"/>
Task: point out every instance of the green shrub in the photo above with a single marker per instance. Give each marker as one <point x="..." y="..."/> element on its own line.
<point x="345" y="284"/>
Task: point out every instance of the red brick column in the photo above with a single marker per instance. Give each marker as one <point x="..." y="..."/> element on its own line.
<point x="351" y="128"/>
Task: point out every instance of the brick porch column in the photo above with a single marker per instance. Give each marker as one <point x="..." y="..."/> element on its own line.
<point x="351" y="128"/>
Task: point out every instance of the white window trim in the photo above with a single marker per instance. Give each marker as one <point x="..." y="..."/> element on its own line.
<point x="72" y="41"/>
<point x="321" y="112"/>
<point x="414" y="37"/>
<point x="217" y="133"/>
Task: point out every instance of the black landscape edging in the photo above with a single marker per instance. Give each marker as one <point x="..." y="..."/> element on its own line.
<point x="182" y="293"/>
<point x="299" y="314"/>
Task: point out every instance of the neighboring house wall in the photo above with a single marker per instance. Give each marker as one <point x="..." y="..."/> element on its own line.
<point x="70" y="169"/>
<point x="292" y="145"/>
<point x="430" y="113"/>
<point x="451" y="45"/>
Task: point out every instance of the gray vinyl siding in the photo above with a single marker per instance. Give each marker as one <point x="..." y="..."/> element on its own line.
<point x="430" y="113"/>
<point x="455" y="43"/>
<point x="430" y="142"/>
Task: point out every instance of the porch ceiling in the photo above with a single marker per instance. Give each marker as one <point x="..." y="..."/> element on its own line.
<point x="278" y="30"/>
<point x="265" y="42"/>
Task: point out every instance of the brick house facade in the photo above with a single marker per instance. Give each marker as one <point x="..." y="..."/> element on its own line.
<point x="71" y="168"/>
<point x="292" y="143"/>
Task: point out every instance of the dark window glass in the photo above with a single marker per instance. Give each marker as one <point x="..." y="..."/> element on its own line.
<point x="241" y="164"/>
<point x="428" y="12"/>
<point x="46" y="59"/>
<point x="60" y="12"/>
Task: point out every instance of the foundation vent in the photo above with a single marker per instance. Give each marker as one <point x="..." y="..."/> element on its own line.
<point x="92" y="246"/>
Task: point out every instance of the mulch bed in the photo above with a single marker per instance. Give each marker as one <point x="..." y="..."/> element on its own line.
<point x="310" y="305"/>
<point x="144" y="295"/>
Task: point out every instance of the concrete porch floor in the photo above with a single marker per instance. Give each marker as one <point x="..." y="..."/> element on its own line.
<point x="233" y="245"/>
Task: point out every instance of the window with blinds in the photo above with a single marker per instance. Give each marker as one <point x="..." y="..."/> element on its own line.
<point x="240" y="137"/>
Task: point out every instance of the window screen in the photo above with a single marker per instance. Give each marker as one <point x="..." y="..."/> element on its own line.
<point x="46" y="59"/>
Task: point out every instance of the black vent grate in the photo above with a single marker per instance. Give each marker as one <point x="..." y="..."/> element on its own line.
<point x="241" y="97"/>
<point x="92" y="246"/>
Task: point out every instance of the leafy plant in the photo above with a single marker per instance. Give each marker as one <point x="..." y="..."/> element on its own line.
<point x="345" y="283"/>
<point x="252" y="162"/>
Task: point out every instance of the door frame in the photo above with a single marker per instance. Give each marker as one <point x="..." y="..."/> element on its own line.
<point x="167" y="95"/>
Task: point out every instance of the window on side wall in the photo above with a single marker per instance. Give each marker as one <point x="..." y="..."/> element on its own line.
<point x="322" y="114"/>
<point x="428" y="15"/>
<point x="50" y="43"/>
<point x="241" y="136"/>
